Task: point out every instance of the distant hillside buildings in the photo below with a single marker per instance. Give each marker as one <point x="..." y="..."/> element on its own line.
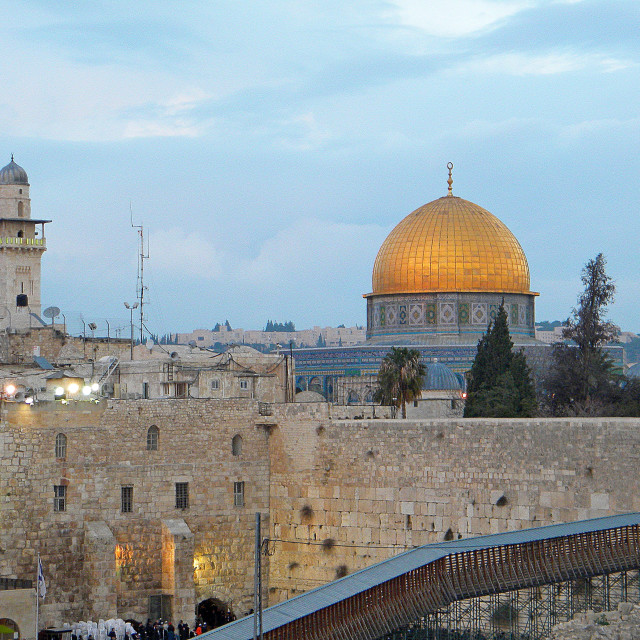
<point x="318" y="336"/>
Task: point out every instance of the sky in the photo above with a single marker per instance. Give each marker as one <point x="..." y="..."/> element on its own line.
<point x="268" y="148"/>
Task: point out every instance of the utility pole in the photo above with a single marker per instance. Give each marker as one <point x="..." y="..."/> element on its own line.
<point x="257" y="584"/>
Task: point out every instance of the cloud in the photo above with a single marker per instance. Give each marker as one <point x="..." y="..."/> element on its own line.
<point x="314" y="250"/>
<point x="185" y="255"/>
<point x="455" y="18"/>
<point x="526" y="64"/>
<point x="611" y="127"/>
<point x="303" y="133"/>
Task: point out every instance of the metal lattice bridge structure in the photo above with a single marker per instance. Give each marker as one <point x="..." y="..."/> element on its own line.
<point x="507" y="585"/>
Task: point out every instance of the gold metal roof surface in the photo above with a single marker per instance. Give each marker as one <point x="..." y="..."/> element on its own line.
<point x="450" y="244"/>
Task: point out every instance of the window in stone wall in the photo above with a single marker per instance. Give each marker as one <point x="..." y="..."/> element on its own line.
<point x="61" y="446"/>
<point x="152" y="438"/>
<point x="59" y="497"/>
<point x="238" y="494"/>
<point x="244" y="384"/>
<point x="126" y="499"/>
<point x="236" y="445"/>
<point x="215" y="384"/>
<point x="182" y="495"/>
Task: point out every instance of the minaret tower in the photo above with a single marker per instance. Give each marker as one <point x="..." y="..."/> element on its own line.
<point x="22" y="243"/>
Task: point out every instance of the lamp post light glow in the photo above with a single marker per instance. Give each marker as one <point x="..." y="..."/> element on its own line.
<point x="10" y="389"/>
<point x="74" y="387"/>
<point x="58" y="392"/>
<point x="95" y="387"/>
<point x="86" y="390"/>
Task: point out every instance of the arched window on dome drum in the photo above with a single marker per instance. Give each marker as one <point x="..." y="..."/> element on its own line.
<point x="20" y="209"/>
<point x="21" y="234"/>
<point x="236" y="445"/>
<point x="152" y="438"/>
<point x="61" y="446"/>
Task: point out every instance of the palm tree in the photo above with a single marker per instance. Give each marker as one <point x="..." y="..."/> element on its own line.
<point x="400" y="378"/>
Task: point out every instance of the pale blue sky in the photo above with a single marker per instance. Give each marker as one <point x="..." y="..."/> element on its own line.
<point x="269" y="147"/>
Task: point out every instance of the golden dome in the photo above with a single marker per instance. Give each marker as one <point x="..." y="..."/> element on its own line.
<point x="450" y="244"/>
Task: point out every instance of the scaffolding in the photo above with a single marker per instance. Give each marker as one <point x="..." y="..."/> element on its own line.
<point x="523" y="614"/>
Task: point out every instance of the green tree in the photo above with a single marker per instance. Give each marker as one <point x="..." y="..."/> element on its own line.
<point x="400" y="378"/>
<point x="581" y="378"/>
<point x="500" y="384"/>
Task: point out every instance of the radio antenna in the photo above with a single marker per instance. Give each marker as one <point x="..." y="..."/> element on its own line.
<point x="140" y="286"/>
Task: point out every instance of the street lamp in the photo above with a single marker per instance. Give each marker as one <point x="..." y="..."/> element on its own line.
<point x="131" y="307"/>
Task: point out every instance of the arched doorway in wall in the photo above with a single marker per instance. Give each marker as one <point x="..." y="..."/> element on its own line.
<point x="215" y="613"/>
<point x="8" y="629"/>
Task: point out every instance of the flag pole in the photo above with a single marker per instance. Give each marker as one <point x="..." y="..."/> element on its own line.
<point x="37" y="593"/>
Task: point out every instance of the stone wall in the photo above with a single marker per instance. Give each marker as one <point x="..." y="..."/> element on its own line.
<point x="336" y="494"/>
<point x="55" y="346"/>
<point x="19" y="605"/>
<point x="99" y="561"/>
<point x="346" y="494"/>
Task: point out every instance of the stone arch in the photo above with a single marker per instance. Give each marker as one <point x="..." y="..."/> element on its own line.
<point x="315" y="384"/>
<point x="353" y="397"/>
<point x="214" y="612"/>
<point x="301" y="384"/>
<point x="236" y="445"/>
<point x="10" y="624"/>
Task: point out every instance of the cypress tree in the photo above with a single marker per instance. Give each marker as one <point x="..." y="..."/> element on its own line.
<point x="500" y="384"/>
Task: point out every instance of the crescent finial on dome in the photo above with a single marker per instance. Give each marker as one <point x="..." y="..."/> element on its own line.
<point x="450" y="180"/>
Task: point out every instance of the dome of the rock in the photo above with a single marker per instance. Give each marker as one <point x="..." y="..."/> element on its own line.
<point x="450" y="245"/>
<point x="442" y="273"/>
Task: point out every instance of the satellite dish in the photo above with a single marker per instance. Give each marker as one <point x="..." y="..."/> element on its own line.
<point x="92" y="326"/>
<point x="192" y="344"/>
<point x="174" y="355"/>
<point x="51" y="312"/>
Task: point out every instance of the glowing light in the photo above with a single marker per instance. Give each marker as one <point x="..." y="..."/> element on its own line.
<point x="86" y="390"/>
<point x="74" y="387"/>
<point x="95" y="387"/>
<point x="10" y="389"/>
<point x="28" y="400"/>
<point x="59" y="391"/>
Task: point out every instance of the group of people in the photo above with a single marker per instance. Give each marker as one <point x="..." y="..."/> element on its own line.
<point x="117" y="629"/>
<point x="164" y="630"/>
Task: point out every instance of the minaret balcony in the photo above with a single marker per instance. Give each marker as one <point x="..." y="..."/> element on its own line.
<point x="11" y="241"/>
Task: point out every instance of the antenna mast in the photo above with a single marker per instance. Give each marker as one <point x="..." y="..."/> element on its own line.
<point x="140" y="287"/>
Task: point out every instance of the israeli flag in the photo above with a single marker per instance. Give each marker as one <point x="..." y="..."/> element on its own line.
<point x="42" y="587"/>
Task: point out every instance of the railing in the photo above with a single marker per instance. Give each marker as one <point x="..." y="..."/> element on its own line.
<point x="31" y="242"/>
<point x="14" y="583"/>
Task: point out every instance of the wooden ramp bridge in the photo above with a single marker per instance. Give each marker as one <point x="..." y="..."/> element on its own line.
<point x="394" y="598"/>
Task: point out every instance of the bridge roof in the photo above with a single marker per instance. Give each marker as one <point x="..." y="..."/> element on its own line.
<point x="307" y="603"/>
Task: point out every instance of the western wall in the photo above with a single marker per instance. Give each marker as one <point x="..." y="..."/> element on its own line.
<point x="338" y="491"/>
